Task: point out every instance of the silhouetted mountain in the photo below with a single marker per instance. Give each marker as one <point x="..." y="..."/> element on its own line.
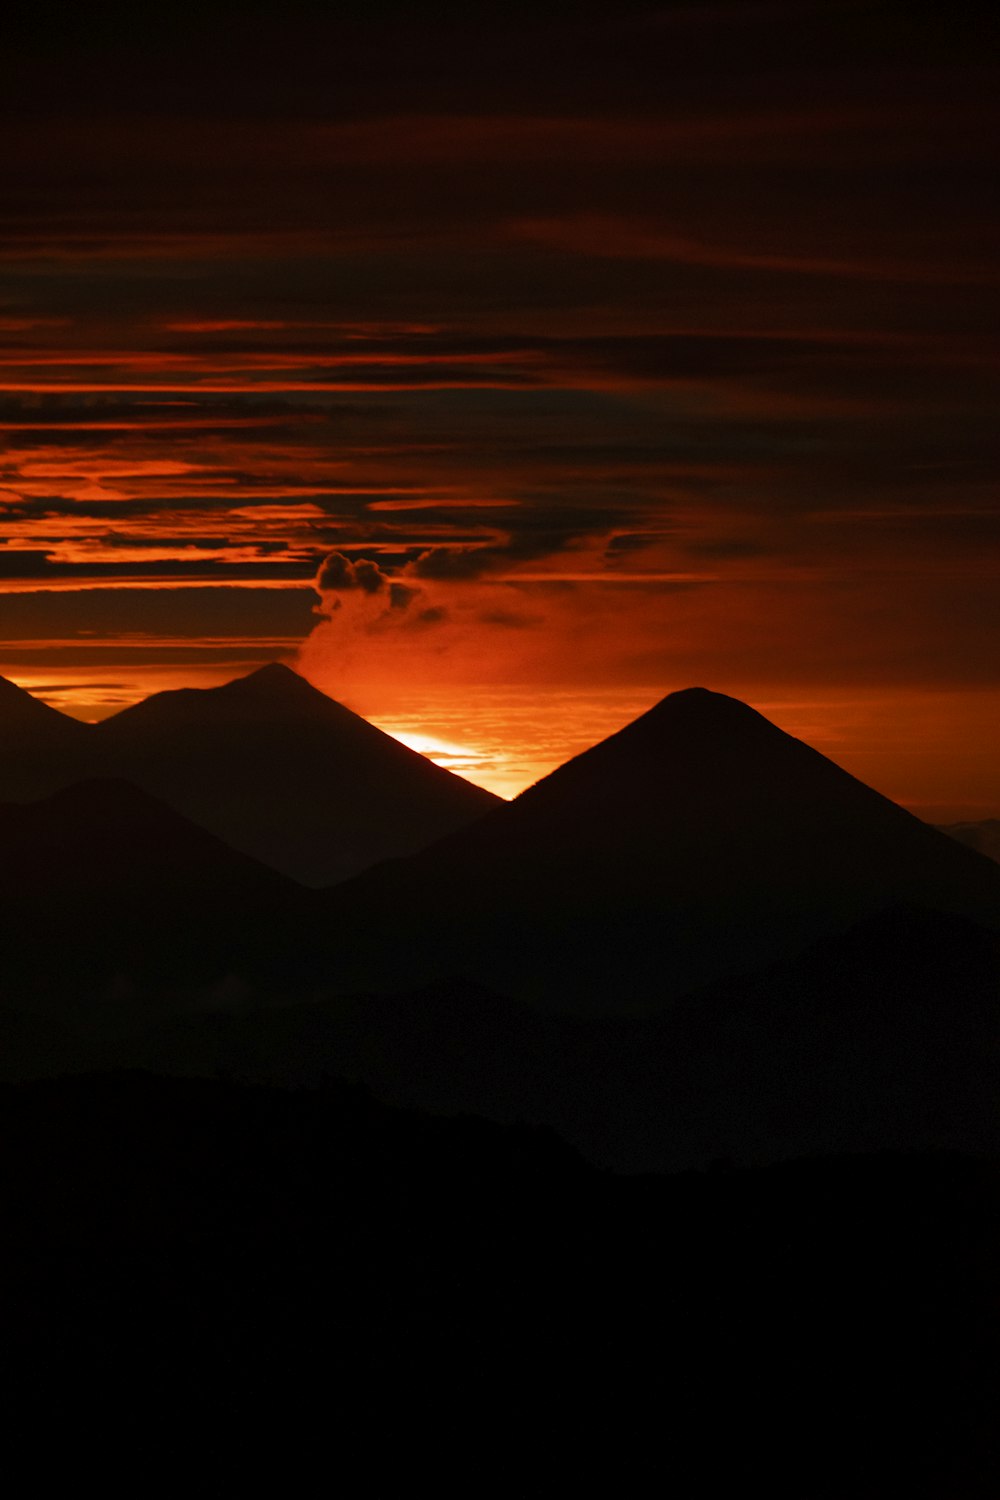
<point x="282" y="772"/>
<point x="103" y="879"/>
<point x="983" y="836"/>
<point x="41" y="749"/>
<point x="652" y="875"/>
<point x="701" y="841"/>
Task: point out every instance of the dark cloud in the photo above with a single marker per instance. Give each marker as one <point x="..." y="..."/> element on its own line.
<point x="41" y="566"/>
<point x="456" y="564"/>
<point x="632" y="541"/>
<point x="117" y="539"/>
<point x="148" y="620"/>
<point x="726" y="548"/>
<point x="542" y="531"/>
<point x="23" y="563"/>
<point x="401" y="595"/>
<point x="338" y="574"/>
<point x="510" y="619"/>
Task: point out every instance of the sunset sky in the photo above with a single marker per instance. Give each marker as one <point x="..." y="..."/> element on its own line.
<point x="505" y="368"/>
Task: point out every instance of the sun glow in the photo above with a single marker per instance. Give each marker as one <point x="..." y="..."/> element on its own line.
<point x="462" y="759"/>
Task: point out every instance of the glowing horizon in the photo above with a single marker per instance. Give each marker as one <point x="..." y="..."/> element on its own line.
<point x="505" y="738"/>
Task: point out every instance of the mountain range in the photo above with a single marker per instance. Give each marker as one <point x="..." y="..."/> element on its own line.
<point x="101" y="880"/>
<point x="886" y="1037"/>
<point x="698" y="940"/>
<point x="267" y="762"/>
<point x="41" y="749"/>
<point x="697" y="843"/>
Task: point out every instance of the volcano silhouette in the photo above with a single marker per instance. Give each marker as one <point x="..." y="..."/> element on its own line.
<point x="697" y="843"/>
<point x="282" y="772"/>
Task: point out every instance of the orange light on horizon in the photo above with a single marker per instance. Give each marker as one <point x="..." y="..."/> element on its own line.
<point x="932" y="751"/>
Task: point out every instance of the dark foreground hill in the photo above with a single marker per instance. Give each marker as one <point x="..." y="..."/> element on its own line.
<point x="699" y="842"/>
<point x="282" y="772"/>
<point x="718" y="945"/>
<point x="884" y="1038"/>
<point x="101" y="881"/>
<point x="41" y="749"/>
<point x="249" y="1284"/>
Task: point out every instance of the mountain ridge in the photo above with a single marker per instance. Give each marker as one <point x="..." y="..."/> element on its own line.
<point x="40" y="747"/>
<point x="267" y="762"/>
<point x="102" y="879"/>
<point x="697" y="842"/>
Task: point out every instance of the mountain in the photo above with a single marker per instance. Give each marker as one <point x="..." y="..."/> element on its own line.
<point x="282" y="772"/>
<point x="697" y="843"/>
<point x="698" y="940"/>
<point x="983" y="837"/>
<point x="886" y="1037"/>
<point x="40" y="748"/>
<point x="101" y="880"/>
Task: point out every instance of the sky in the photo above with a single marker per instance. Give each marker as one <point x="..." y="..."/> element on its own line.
<point x="506" y="368"/>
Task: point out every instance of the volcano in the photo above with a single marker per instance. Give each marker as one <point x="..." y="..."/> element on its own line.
<point x="286" y="774"/>
<point x="698" y="843"/>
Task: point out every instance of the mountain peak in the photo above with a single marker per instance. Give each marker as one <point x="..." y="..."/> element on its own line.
<point x="280" y="687"/>
<point x="274" y="675"/>
<point x="277" y="768"/>
<point x="271" y="691"/>
<point x="693" y="732"/>
<point x="698" y="842"/>
<point x="700" y="705"/>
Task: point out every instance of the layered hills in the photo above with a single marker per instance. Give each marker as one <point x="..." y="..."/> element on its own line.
<point x="884" y="1037"/>
<point x="699" y="939"/>
<point x="102" y="880"/>
<point x="40" y="748"/>
<point x="267" y="762"/>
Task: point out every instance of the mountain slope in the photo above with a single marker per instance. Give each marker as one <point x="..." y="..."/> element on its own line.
<point x="40" y="748"/>
<point x="886" y="1037"/>
<point x="983" y="836"/>
<point x="101" y="879"/>
<point x="282" y="772"/>
<point x="699" y="842"/>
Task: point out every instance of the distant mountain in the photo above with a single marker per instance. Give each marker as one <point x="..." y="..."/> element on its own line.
<point x="983" y="837"/>
<point x="886" y="1037"/>
<point x="103" y="881"/>
<point x="699" y="842"/>
<point x="698" y="940"/>
<point x="267" y="762"/>
<point x="282" y="772"/>
<point x="40" y="748"/>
